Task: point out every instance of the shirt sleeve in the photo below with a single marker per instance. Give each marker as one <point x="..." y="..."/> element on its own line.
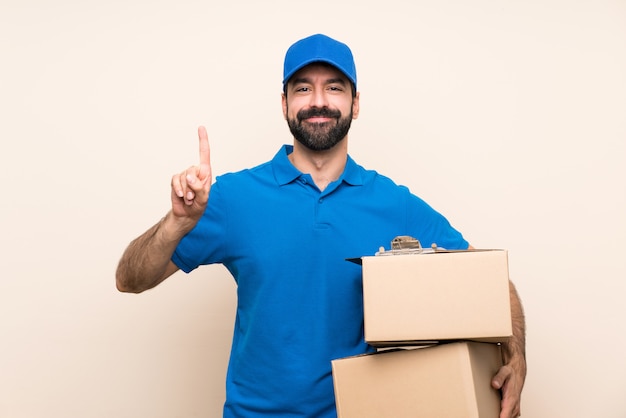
<point x="431" y="227"/>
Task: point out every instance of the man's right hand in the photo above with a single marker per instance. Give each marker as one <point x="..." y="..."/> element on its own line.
<point x="147" y="260"/>
<point x="190" y="188"/>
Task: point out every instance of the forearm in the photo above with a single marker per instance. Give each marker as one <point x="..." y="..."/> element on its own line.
<point x="515" y="348"/>
<point x="146" y="261"/>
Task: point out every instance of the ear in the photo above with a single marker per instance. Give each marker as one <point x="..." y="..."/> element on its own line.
<point x="355" y="105"/>
<point x="284" y="104"/>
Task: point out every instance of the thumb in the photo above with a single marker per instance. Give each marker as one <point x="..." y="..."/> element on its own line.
<point x="502" y="376"/>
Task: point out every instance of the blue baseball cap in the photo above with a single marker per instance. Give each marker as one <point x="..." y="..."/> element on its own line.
<point x="319" y="48"/>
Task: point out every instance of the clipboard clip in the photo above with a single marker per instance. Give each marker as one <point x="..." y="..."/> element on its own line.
<point x="405" y="244"/>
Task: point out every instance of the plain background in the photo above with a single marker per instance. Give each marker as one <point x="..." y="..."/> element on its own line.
<point x="507" y="116"/>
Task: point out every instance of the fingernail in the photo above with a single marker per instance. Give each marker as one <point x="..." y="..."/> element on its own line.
<point x="190" y="179"/>
<point x="189" y="196"/>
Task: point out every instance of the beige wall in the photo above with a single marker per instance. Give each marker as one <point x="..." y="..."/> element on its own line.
<point x="508" y="116"/>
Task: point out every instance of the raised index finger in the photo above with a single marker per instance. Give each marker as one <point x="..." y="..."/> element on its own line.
<point x="205" y="153"/>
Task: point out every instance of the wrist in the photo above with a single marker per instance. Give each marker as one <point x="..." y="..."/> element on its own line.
<point x="516" y="360"/>
<point x="175" y="227"/>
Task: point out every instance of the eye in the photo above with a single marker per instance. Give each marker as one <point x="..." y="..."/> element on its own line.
<point x="335" y="88"/>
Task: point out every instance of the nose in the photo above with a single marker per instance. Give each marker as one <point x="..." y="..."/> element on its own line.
<point x="319" y="99"/>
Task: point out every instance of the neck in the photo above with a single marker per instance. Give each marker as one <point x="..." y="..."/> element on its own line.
<point x="323" y="166"/>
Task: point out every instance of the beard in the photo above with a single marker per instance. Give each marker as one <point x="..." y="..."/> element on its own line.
<point x="319" y="136"/>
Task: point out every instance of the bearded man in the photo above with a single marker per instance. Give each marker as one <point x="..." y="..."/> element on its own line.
<point x="284" y="230"/>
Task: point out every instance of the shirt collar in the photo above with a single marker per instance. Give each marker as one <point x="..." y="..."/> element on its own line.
<point x="285" y="172"/>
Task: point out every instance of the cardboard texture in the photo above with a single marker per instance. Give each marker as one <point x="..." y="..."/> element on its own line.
<point x="444" y="381"/>
<point x="462" y="295"/>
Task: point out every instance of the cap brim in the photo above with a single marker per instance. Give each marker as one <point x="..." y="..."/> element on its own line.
<point x="316" y="60"/>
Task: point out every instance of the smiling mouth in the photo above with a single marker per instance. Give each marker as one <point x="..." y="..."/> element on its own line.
<point x="318" y="116"/>
<point x="318" y="119"/>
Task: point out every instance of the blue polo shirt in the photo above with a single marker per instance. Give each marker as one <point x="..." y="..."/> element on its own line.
<point x="299" y="301"/>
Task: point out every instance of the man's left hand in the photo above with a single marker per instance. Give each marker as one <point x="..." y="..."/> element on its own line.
<point x="510" y="384"/>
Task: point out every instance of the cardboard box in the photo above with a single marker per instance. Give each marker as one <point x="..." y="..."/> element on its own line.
<point x="445" y="381"/>
<point x="456" y="295"/>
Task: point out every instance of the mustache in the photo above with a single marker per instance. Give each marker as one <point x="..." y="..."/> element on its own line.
<point x="318" y="111"/>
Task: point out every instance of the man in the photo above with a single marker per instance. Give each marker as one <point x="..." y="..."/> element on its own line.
<point x="284" y="229"/>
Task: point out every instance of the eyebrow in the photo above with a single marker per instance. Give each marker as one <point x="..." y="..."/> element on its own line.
<point x="328" y="81"/>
